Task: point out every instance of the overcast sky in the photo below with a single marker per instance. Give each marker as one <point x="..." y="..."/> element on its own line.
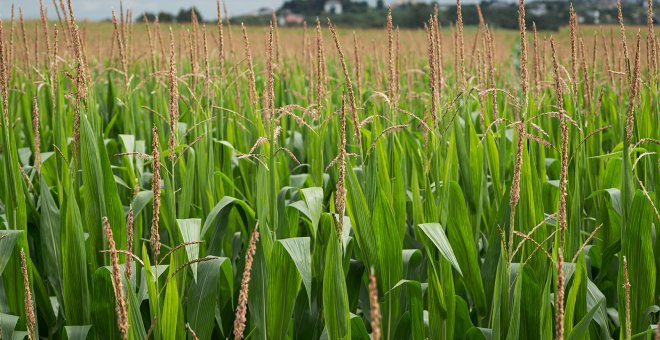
<point x="101" y="9"/>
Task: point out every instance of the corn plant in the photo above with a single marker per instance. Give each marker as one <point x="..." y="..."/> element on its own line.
<point x="222" y="181"/>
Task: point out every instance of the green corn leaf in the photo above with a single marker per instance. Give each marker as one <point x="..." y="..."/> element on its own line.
<point x="104" y="316"/>
<point x="435" y="233"/>
<point x="500" y="308"/>
<point x="190" y="230"/>
<point x="135" y="323"/>
<point x="514" y="323"/>
<point x="221" y="210"/>
<point x="185" y="199"/>
<point x="311" y="206"/>
<point x="582" y="327"/>
<point x="459" y="233"/>
<point x="298" y="250"/>
<point x="77" y="332"/>
<point x="594" y="298"/>
<point x="547" y="316"/>
<point x="77" y="303"/>
<point x="8" y="239"/>
<point x="335" y="298"/>
<point x="415" y="306"/>
<point x="284" y="281"/>
<point x="204" y="296"/>
<point x="171" y="325"/>
<point x="100" y="196"/>
<point x="50" y="238"/>
<point x="637" y="247"/>
<point x="8" y="323"/>
<point x="141" y="200"/>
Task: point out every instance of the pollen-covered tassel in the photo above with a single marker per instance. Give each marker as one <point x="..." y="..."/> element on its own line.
<point x="155" y="189"/>
<point x="559" y="297"/>
<point x="340" y="193"/>
<point x="120" y="303"/>
<point x="129" y="246"/>
<point x="375" y="306"/>
<point x="29" y="308"/>
<point x="37" y="136"/>
<point x="174" y="100"/>
<point x="241" y="310"/>
<point x="349" y="84"/>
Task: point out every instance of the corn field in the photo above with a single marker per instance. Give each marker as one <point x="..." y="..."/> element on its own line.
<point x="221" y="181"/>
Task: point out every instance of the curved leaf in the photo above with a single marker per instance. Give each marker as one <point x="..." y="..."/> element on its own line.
<point x="299" y="251"/>
<point x="203" y="296"/>
<point x="335" y="297"/>
<point x="77" y="332"/>
<point x="434" y="232"/>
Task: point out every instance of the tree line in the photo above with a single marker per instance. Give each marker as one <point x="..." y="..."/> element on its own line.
<point x="359" y="14"/>
<point x="184" y="15"/>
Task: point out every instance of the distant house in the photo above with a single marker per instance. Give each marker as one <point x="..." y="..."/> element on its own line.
<point x="537" y="9"/>
<point x="590" y="16"/>
<point x="333" y="6"/>
<point x="287" y="18"/>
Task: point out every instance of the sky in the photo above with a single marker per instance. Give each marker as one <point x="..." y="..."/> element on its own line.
<point x="101" y="9"/>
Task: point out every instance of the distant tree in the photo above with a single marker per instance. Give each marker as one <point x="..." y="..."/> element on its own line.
<point x="547" y="14"/>
<point x="355" y="6"/>
<point x="150" y="16"/>
<point x="185" y="15"/>
<point x="165" y="17"/>
<point x="305" y="7"/>
<point x="162" y="17"/>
